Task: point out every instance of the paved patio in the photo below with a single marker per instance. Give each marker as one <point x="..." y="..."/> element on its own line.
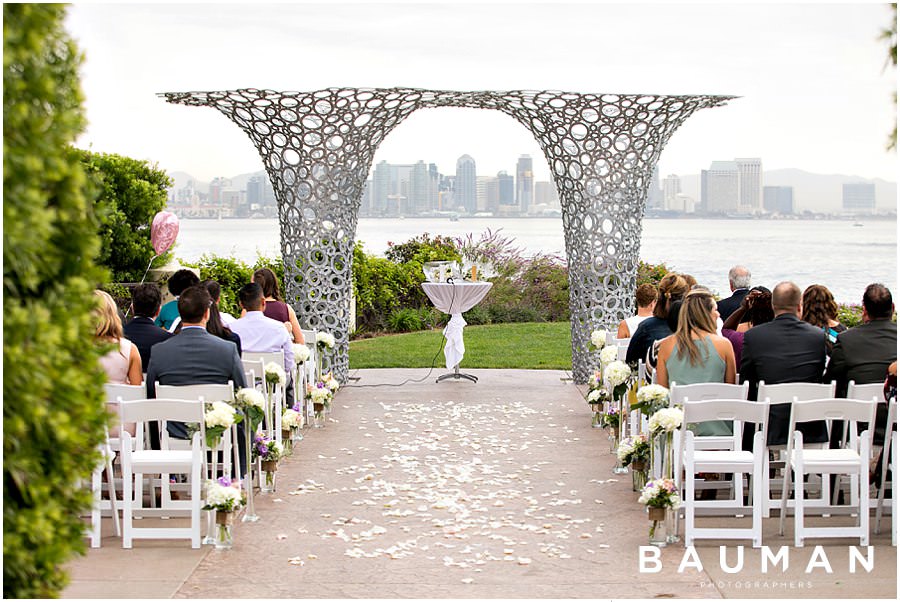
<point x="499" y="489"/>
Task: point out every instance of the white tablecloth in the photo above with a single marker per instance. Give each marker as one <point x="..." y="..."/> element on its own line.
<point x="454" y="299"/>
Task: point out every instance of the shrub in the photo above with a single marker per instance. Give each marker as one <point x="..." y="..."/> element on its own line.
<point x="850" y="315"/>
<point x="382" y="287"/>
<point x="53" y="410"/>
<point x="405" y="320"/>
<point x="648" y="273"/>
<point x="232" y="274"/>
<point x="131" y="192"/>
<point x="423" y="248"/>
<point x="478" y="315"/>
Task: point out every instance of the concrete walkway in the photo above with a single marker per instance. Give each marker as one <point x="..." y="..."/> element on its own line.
<point x="499" y="489"/>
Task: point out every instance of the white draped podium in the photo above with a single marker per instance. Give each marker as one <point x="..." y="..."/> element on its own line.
<point x="454" y="299"/>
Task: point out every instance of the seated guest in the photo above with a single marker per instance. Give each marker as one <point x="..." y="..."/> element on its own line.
<point x="179" y="281"/>
<point x="195" y="357"/>
<point x="646" y="300"/>
<point x="276" y="308"/>
<point x="215" y="291"/>
<point x="671" y="288"/>
<point x="755" y="309"/>
<point x="819" y="309"/>
<point x="739" y="282"/>
<point x="785" y="350"/>
<point x="145" y="302"/>
<point x="214" y="325"/>
<point x="122" y="364"/>
<point x="864" y="353"/>
<point x="695" y="353"/>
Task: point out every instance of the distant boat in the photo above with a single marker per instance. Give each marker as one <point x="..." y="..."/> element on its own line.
<point x="454" y="218"/>
<point x="857" y="224"/>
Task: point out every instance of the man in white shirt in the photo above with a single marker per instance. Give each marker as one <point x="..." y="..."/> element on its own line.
<point x="259" y="333"/>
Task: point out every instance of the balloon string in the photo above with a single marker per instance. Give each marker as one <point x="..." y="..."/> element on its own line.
<point x="142" y="279"/>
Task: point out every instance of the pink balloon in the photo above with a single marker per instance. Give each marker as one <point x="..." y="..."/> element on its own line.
<point x="163" y="231"/>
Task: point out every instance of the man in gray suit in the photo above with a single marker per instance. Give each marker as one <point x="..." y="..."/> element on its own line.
<point x="194" y="357"/>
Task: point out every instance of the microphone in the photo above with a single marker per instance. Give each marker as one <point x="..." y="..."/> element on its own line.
<point x="449" y="280"/>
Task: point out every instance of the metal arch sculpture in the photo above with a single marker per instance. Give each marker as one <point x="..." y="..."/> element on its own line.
<point x="318" y="148"/>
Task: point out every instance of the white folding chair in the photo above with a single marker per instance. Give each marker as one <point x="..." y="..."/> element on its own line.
<point x="852" y="460"/>
<point x="888" y="462"/>
<point x="731" y="460"/>
<point x="312" y="364"/>
<point x="164" y="461"/>
<point x="275" y="409"/>
<point x="786" y="393"/>
<point x="104" y="464"/>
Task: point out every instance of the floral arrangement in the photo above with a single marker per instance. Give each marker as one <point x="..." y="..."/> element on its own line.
<point x="617" y="373"/>
<point x="275" y="374"/>
<point x="291" y="419"/>
<point x="331" y="383"/>
<point x="633" y="449"/>
<point x="595" y="380"/>
<point x="660" y="493"/>
<point x="218" y="418"/>
<point x="301" y="352"/>
<point x="253" y="403"/>
<point x="598" y="396"/>
<point x="267" y="450"/>
<point x="598" y="338"/>
<point x="651" y="398"/>
<point x="610" y="419"/>
<point x="224" y="495"/>
<point x="325" y="340"/>
<point x="319" y="393"/>
<point x="666" y="420"/>
<point x="609" y="355"/>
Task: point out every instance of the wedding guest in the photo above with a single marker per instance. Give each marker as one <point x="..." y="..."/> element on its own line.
<point x="739" y="282"/>
<point x="276" y="308"/>
<point x="179" y="281"/>
<point x="215" y="325"/>
<point x="145" y="303"/>
<point x="785" y="350"/>
<point x="820" y="309"/>
<point x="695" y="353"/>
<point x="671" y="288"/>
<point x="755" y="309"/>
<point x="646" y="300"/>
<point x="215" y="291"/>
<point x="122" y="364"/>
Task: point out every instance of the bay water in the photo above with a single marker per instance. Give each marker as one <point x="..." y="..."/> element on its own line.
<point x="835" y="253"/>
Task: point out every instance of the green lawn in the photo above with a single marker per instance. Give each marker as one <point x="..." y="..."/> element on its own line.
<point x="546" y="345"/>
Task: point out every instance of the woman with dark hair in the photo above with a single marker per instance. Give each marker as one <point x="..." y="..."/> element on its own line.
<point x="820" y="309"/>
<point x="755" y="309"/>
<point x="276" y="308"/>
<point x="215" y="325"/>
<point x="168" y="316"/>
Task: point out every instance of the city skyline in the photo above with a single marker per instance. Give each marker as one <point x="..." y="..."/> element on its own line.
<point x="813" y="91"/>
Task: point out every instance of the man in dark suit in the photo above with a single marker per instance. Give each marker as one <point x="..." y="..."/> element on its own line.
<point x="195" y="357"/>
<point x="863" y="353"/>
<point x="785" y="350"/>
<point x="145" y="303"/>
<point x="739" y="282"/>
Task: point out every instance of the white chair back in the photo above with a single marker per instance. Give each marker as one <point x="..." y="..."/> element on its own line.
<point x="703" y="391"/>
<point x="786" y="392"/>
<point x="865" y="392"/>
<point x="888" y="462"/>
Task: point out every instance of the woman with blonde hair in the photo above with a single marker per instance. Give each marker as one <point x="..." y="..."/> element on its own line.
<point x="671" y="288"/>
<point x="695" y="353"/>
<point x="123" y="363"/>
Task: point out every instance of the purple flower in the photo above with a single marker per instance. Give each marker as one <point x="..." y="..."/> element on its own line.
<point x="224" y="481"/>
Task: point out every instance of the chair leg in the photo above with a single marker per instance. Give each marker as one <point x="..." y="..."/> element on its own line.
<point x="785" y="486"/>
<point x="113" y="502"/>
<point x="195" y="509"/>
<point x="689" y="518"/>
<point x="96" y="490"/>
<point x="758" y="503"/>
<point x="864" y="504"/>
<point x="127" y="507"/>
<point x="798" y="507"/>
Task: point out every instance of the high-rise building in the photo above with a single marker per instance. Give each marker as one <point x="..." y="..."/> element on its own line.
<point x="482" y="184"/>
<point x="778" y="199"/>
<point x="750" y="180"/>
<point x="491" y="194"/>
<point x="655" y="196"/>
<point x="464" y="194"/>
<point x="720" y="187"/>
<point x="419" y="184"/>
<point x="525" y="183"/>
<point x="859" y="197"/>
<point x="671" y="188"/>
<point x="381" y="189"/>
<point x="545" y="194"/>
<point x="507" y="189"/>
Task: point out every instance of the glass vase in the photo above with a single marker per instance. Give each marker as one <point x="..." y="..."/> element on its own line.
<point x="613" y="439"/>
<point x="287" y="442"/>
<point x="596" y="416"/>
<point x="224" y="530"/>
<point x="318" y="415"/>
<point x="296" y="435"/>
<point x="638" y="475"/>
<point x="672" y="526"/>
<point x="267" y="483"/>
<point x="657" y="518"/>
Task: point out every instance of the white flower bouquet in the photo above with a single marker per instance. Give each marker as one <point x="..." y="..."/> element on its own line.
<point x="218" y="417"/>
<point x="331" y="383"/>
<point x="651" y="398"/>
<point x="609" y="355"/>
<point x="666" y="420"/>
<point x="598" y="396"/>
<point x="617" y="373"/>
<point x="253" y="403"/>
<point x="319" y="393"/>
<point x="633" y="449"/>
<point x="275" y="373"/>
<point x="301" y="352"/>
<point x="595" y="380"/>
<point x="325" y="340"/>
<point x="291" y="419"/>
<point x="660" y="493"/>
<point x="598" y="338"/>
<point x="224" y="495"/>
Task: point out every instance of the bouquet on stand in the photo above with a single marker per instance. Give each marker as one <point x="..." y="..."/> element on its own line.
<point x="661" y="498"/>
<point x="617" y="374"/>
<point x="324" y="342"/>
<point x="252" y="403"/>
<point x="291" y="420"/>
<point x="635" y="452"/>
<point x="225" y="497"/>
<point x="269" y="452"/>
<point x="598" y="339"/>
<point x="320" y="396"/>
<point x="597" y="398"/>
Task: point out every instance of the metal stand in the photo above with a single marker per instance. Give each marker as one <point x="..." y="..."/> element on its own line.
<point x="456" y="374"/>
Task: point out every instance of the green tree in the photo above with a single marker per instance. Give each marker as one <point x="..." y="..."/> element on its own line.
<point x="131" y="192"/>
<point x="53" y="410"/>
<point x="889" y="35"/>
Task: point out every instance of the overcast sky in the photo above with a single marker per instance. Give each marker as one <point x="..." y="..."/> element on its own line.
<point x="815" y="94"/>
